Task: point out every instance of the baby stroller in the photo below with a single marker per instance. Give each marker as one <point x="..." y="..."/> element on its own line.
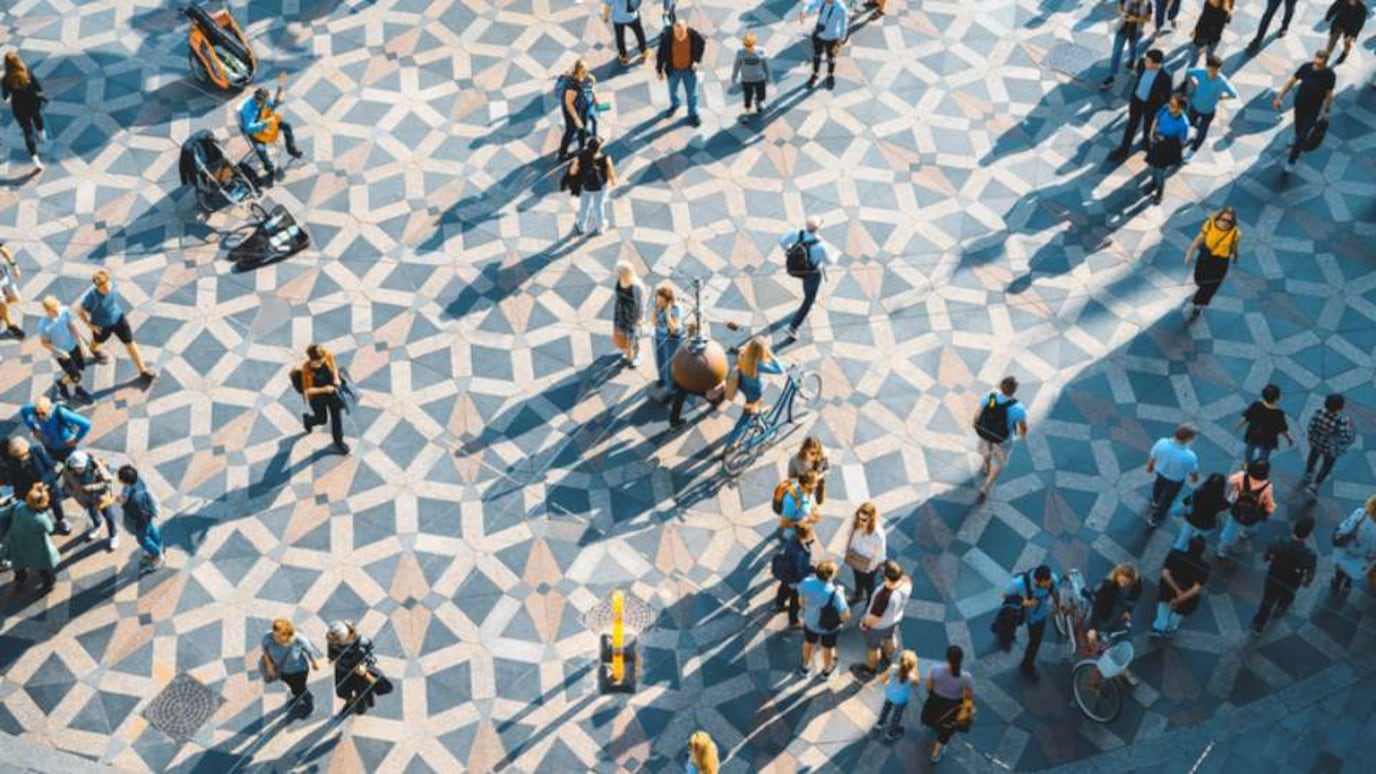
<point x="219" y="182"/>
<point x="220" y="54"/>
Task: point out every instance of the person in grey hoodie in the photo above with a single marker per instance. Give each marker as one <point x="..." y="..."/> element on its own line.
<point x="752" y="70"/>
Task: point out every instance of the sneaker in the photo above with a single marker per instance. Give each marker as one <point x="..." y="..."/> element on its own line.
<point x="831" y="82"/>
<point x="113" y="543"/>
<point x="1312" y="489"/>
<point x="892" y="735"/>
<point x="1194" y="313"/>
<point x="603" y="227"/>
<point x="1107" y="82"/>
<point x="91" y="533"/>
<point x="81" y="394"/>
<point x="862" y="672"/>
<point x="100" y="357"/>
<point x="1157" y="198"/>
<point x="295" y="153"/>
<point x="1255" y="46"/>
<point x="1154" y="521"/>
<point x="828" y="672"/>
<point x="63" y="528"/>
<point x="811" y="82"/>
<point x="694" y="121"/>
<point x="306" y="422"/>
<point x="148" y="375"/>
<point x="1282" y="32"/>
<point x="43" y="134"/>
<point x="936" y="756"/>
<point x="1189" y="154"/>
<point x="17" y="332"/>
<point x="342" y="448"/>
<point x="1156" y="634"/>
<point x="624" y="60"/>
<point x="578" y="229"/>
<point x="802" y="671"/>
<point x="1289" y="167"/>
<point x="791" y="335"/>
<point x="280" y="175"/>
<point x="38" y="163"/>
<point x="635" y="361"/>
<point x="671" y="111"/>
<point x="1341" y="58"/>
<point x="759" y="108"/>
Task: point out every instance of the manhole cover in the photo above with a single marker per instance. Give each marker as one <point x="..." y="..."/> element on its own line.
<point x="637" y="615"/>
<point x="182" y="707"/>
<point x="1071" y="59"/>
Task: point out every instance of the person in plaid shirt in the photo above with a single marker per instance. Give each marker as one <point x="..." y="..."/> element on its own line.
<point x="1330" y="434"/>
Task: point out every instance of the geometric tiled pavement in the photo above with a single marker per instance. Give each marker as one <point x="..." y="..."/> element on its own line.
<point x="506" y="475"/>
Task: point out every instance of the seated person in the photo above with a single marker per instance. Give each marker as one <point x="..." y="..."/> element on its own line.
<point x="260" y="122"/>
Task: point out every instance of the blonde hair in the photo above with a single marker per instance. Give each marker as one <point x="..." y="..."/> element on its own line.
<point x="703" y="752"/>
<point x="16" y="72"/>
<point x="283" y="628"/>
<point x="1371" y="506"/>
<point x="752" y="353"/>
<point x="866" y="509"/>
<point x="749" y="39"/>
<point x="810" y="442"/>
<point x="100" y="276"/>
<point x="51" y="303"/>
<point x="1127" y="570"/>
<point x="826" y="569"/>
<point x="907" y="667"/>
<point x="580" y="66"/>
<point x="625" y="271"/>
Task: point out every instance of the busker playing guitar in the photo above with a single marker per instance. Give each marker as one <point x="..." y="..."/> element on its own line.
<point x="261" y="123"/>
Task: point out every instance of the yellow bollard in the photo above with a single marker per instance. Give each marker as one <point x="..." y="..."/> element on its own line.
<point x="618" y="636"/>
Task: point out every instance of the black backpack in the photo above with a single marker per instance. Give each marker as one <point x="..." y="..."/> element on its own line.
<point x="1247" y="509"/>
<point x="830" y="617"/>
<point x="1011" y="615"/>
<point x="992" y="424"/>
<point x="798" y="257"/>
<point x="297" y="381"/>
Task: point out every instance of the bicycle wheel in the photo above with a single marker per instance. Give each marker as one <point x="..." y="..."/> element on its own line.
<point x="739" y="456"/>
<point x="808" y="390"/>
<point x="1097" y="696"/>
<point x="1062" y="621"/>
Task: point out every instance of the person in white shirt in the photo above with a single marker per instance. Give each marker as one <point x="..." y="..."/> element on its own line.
<point x="866" y="549"/>
<point x="883" y="612"/>
<point x="1354" y="547"/>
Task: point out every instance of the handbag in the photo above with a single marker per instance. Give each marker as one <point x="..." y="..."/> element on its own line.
<point x="961" y="717"/>
<point x="857" y="561"/>
<point x="380" y="683"/>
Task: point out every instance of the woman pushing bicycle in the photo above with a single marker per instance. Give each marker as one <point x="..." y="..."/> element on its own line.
<point x="747" y="377"/>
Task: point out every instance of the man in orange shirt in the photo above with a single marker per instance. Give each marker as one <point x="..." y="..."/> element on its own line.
<point x="680" y="52"/>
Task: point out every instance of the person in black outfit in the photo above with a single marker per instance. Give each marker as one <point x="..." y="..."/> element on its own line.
<point x="27" y="464"/>
<point x="320" y="382"/>
<point x="1150" y="91"/>
<point x="1271" y="7"/>
<point x="1115" y="598"/>
<point x="354" y="666"/>
<point x="1348" y="17"/>
<point x="25" y="95"/>
<point x="1314" y="96"/>
<point x="797" y="566"/>
<point x="1292" y="565"/>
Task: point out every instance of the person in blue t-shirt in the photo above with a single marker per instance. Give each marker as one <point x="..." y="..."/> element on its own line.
<point x="747" y="378"/>
<point x="999" y="421"/>
<point x="261" y="123"/>
<point x="1210" y="87"/>
<point x="1037" y="602"/>
<point x="814" y="594"/>
<point x="100" y="309"/>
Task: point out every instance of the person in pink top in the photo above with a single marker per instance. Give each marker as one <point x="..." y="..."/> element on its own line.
<point x="1253" y="499"/>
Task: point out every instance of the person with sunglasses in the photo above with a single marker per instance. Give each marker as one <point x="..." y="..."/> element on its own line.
<point x="1212" y="251"/>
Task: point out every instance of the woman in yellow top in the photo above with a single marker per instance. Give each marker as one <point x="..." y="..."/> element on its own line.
<point x="1216" y="247"/>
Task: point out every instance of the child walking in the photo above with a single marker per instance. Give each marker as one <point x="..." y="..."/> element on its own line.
<point x="752" y="70"/>
<point x="900" y="686"/>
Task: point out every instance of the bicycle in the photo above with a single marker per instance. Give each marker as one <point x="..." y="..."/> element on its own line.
<point x="1074" y="608"/>
<point x="801" y="391"/>
<point x="1094" y="680"/>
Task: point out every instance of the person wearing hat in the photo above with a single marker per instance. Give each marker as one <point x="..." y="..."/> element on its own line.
<point x="354" y="666"/>
<point x="26" y="540"/>
<point x="260" y="122"/>
<point x="90" y="483"/>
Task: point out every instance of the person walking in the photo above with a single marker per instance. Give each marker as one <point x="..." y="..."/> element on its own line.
<point x="792" y="566"/>
<point x="811" y="456"/>
<point x="883" y="613"/>
<point x="1265" y="424"/>
<point x="806" y="257"/>
<point x="755" y="361"/>
<point x="867" y="547"/>
<point x="1271" y="7"/>
<point x="752" y="70"/>
<point x="28" y="465"/>
<point x="1254" y="500"/>
<point x="321" y="384"/>
<point x="824" y="611"/>
<point x="10" y="275"/>
<point x="27" y="542"/>
<point x="950" y="690"/>
<point x="1330" y="435"/>
<point x="900" y="687"/>
<point x="89" y="482"/>
<point x="355" y="667"/>
<point x="1172" y="461"/>
<point x="1347" y="18"/>
<point x="56" y="427"/>
<point x="290" y="656"/>
<point x="21" y="89"/>
<point x="1132" y="15"/>
<point x="1313" y="99"/>
<point x="1151" y="89"/>
<point x="828" y="35"/>
<point x="1354" y="548"/>
<point x="1039" y="592"/>
<point x="1200" y="510"/>
<point x="260" y="123"/>
<point x="141" y="511"/>
<point x="1291" y="563"/>
<point x="628" y="313"/>
<point x="1215" y="248"/>
<point x="669" y="328"/>
<point x="100" y="309"/>
<point x="625" y="14"/>
<point x="680" y="52"/>
<point x="1208" y="31"/>
<point x="595" y="173"/>
<point x="1209" y="87"/>
<point x="1183" y="576"/>
<point x="578" y="104"/>
<point x="1169" y="133"/>
<point x="1001" y="420"/>
<point x="702" y="754"/>
<point x="58" y="334"/>
<point x="1166" y="11"/>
